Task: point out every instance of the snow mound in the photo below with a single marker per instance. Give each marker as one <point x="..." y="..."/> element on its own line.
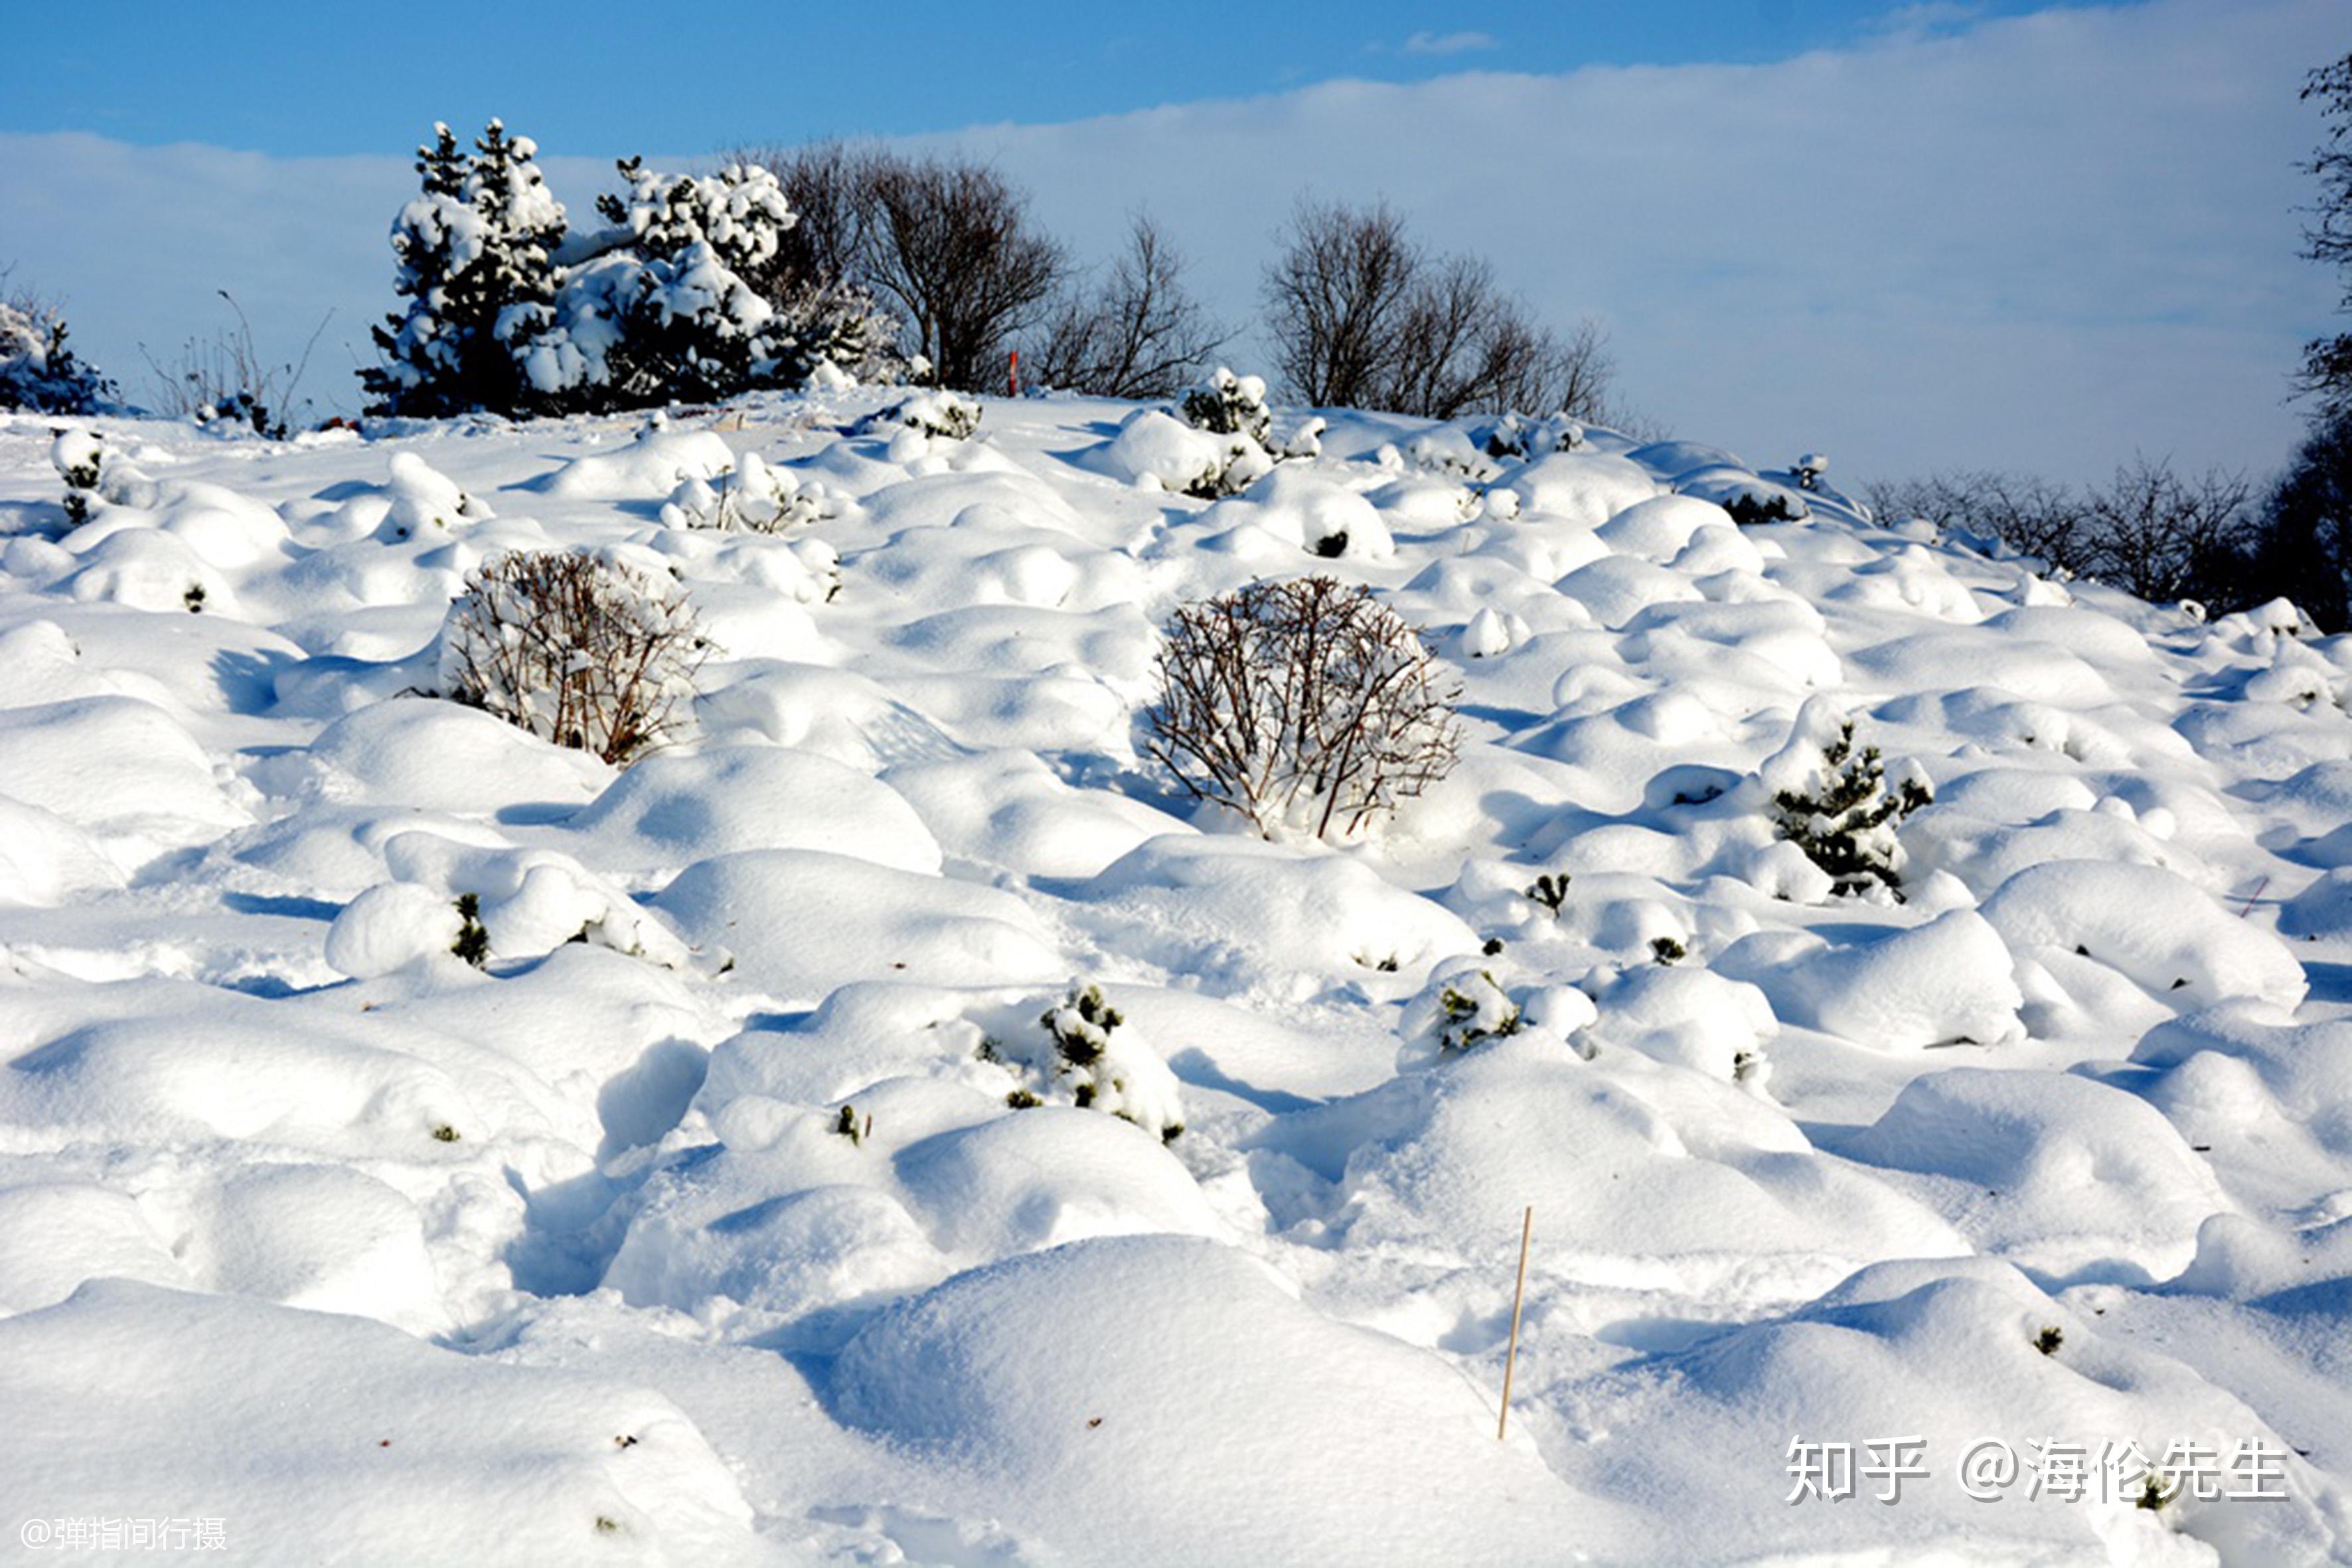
<point x="799" y="922"/>
<point x="123" y="770"/>
<point x="1946" y="980"/>
<point x="670" y="811"/>
<point x="2148" y="924"/>
<point x="442" y="756"/>
<point x="208" y="1405"/>
<point x="1063" y="1424"/>
<point x="2065" y="1176"/>
<point x="1254" y="913"/>
<point x="648" y="469"/>
<point x="1007" y="808"/>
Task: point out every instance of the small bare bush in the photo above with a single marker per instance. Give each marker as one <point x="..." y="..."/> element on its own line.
<point x="588" y="654"/>
<point x="1302" y="705"/>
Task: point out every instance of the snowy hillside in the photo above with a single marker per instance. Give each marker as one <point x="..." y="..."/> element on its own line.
<point x="741" y="1207"/>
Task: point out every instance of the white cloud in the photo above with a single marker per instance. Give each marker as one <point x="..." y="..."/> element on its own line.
<point x="2045" y="242"/>
<point x="1427" y="43"/>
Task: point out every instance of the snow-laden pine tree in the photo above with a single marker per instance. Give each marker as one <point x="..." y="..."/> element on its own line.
<point x="694" y="328"/>
<point x="38" y="372"/>
<point x="475" y="251"/>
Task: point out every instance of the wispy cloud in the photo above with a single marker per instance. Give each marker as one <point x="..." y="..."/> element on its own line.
<point x="1927" y="18"/>
<point x="1427" y="43"/>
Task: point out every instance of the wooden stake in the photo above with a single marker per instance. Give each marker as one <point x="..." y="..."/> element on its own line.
<point x="1519" y="1298"/>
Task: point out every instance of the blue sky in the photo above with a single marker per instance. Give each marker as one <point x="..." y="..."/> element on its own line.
<point x="307" y="79"/>
<point x="2049" y="239"/>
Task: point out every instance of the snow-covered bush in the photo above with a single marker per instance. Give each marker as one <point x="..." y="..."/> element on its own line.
<point x="1077" y="1047"/>
<point x="475" y="263"/>
<point x="37" y="373"/>
<point x="1232" y="407"/>
<point x="1230" y="404"/>
<point x="947" y="415"/>
<point x="1837" y="804"/>
<point x="1752" y="504"/>
<point x="1302" y="705"/>
<point x="1518" y="435"/>
<point x="752" y="495"/>
<point x="688" y="327"/>
<point x="592" y="655"/>
<point x="1473" y="1007"/>
<point x="77" y="455"/>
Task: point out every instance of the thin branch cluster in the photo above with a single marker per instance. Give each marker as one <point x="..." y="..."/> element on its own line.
<point x="588" y="654"/>
<point x="1304" y="705"/>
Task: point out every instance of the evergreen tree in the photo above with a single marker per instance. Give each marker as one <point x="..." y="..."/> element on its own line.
<point x="691" y="327"/>
<point x="475" y="261"/>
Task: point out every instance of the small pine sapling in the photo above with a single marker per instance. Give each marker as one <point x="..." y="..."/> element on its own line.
<point x="1230" y="404"/>
<point x="473" y="944"/>
<point x="1844" y="818"/>
<point x="847" y="1126"/>
<point x="1474" y="1009"/>
<point x="2048" y="1341"/>
<point x="1081" y="1028"/>
<point x="1666" y="950"/>
<point x="1129" y="1082"/>
<point x="1550" y="890"/>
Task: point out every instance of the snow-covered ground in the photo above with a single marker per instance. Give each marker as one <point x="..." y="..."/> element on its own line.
<point x="715" y="1238"/>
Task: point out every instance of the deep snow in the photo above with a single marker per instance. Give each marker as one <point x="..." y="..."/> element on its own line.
<point x="312" y="1233"/>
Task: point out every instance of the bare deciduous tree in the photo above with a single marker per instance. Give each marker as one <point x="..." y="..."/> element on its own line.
<point x="945" y="245"/>
<point x="951" y="247"/>
<point x="1301" y="704"/>
<point x="1333" y="300"/>
<point x="1363" y="317"/>
<point x="2164" y="536"/>
<point x="2152" y="532"/>
<point x="1139" y="333"/>
<point x="2030" y="514"/>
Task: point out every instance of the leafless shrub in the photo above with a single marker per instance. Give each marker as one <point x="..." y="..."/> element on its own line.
<point x="592" y="655"/>
<point x="1363" y="317"/>
<point x="1139" y="333"/>
<point x="1301" y="704"/>
<point x="226" y="379"/>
